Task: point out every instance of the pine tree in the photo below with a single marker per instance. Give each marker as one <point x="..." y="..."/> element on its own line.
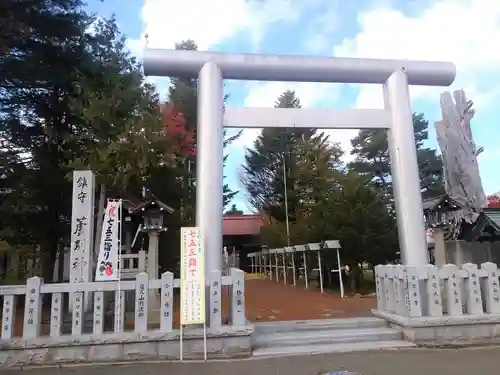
<point x="271" y="164"/>
<point x="372" y="158"/>
<point x="39" y="76"/>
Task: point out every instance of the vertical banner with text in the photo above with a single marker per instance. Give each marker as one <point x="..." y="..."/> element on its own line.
<point x="192" y="277"/>
<point x="109" y="247"/>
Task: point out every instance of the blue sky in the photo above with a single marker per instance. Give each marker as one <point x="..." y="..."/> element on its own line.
<point x="465" y="32"/>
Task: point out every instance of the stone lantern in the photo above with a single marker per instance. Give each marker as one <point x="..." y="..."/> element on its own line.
<point x="152" y="212"/>
<point x="439" y="220"/>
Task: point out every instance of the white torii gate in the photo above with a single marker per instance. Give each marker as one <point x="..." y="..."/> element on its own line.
<point x="212" y="68"/>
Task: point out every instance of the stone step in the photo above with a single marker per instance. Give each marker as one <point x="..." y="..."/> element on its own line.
<point x="320" y="324"/>
<point x="330" y="348"/>
<point x="328" y="336"/>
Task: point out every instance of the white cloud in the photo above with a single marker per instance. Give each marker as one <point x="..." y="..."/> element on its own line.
<point x="464" y="32"/>
<point x="209" y="22"/>
<point x="167" y="22"/>
<point x="461" y="31"/>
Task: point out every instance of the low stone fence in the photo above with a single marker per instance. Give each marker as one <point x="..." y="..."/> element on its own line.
<point x="451" y="305"/>
<point x="118" y="344"/>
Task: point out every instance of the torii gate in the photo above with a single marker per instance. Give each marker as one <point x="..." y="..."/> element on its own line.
<point x="212" y="68"/>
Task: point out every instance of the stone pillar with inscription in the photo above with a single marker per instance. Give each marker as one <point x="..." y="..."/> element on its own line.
<point x="152" y="270"/>
<point x="82" y="235"/>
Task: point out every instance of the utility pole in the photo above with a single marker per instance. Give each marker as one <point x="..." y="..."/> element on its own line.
<point x="286" y="203"/>
<point x="285" y="152"/>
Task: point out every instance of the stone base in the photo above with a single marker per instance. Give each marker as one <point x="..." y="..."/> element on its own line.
<point x="222" y="343"/>
<point x="446" y="330"/>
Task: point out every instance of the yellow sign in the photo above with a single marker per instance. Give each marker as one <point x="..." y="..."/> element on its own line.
<point x="192" y="277"/>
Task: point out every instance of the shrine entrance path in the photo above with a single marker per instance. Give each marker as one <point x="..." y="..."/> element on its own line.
<point x="268" y="301"/>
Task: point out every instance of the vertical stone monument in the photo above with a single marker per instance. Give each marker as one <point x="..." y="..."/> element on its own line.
<point x="82" y="239"/>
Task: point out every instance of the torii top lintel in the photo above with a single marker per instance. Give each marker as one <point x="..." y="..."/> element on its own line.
<point x="259" y="67"/>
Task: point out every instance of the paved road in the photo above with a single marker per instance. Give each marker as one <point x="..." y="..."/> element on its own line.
<point x="481" y="361"/>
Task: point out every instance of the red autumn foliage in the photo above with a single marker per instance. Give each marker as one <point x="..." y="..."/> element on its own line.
<point x="494" y="201"/>
<point x="175" y="128"/>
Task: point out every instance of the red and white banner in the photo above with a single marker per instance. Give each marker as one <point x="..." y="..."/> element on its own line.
<point x="107" y="262"/>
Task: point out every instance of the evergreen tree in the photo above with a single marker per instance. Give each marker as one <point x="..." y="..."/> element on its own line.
<point x="233" y="211"/>
<point x="39" y="76"/>
<point x="271" y="165"/>
<point x="372" y="158"/>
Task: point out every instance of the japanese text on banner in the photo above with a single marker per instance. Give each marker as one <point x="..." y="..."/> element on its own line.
<point x="107" y="263"/>
<point x="192" y="277"/>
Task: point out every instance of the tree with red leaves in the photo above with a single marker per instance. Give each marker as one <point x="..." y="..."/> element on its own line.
<point x="494" y="201"/>
<point x="175" y="129"/>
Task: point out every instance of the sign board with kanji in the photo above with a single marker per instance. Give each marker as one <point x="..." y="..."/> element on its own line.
<point x="192" y="277"/>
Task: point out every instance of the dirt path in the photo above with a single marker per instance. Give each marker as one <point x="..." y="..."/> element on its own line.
<point x="268" y="301"/>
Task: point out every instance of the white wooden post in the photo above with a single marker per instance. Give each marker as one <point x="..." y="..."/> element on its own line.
<point x="277" y="267"/>
<point x="412" y="275"/>
<point x="8" y="317"/>
<point x="141" y="302"/>
<point x="252" y="267"/>
<point x="283" y="257"/>
<point x="271" y="265"/>
<point x="474" y="301"/>
<point x="340" y="268"/>
<point x="320" y="270"/>
<point x="379" y="285"/>
<point x="294" y="277"/>
<point x="98" y="313"/>
<point x="215" y="299"/>
<point x="452" y="278"/>
<point x="491" y="288"/>
<point x="266" y="264"/>
<point x="32" y="308"/>
<point x="304" y="256"/>
<point x="433" y="290"/>
<point x="56" y="314"/>
<point x="167" y="301"/>
<point x="238" y="297"/>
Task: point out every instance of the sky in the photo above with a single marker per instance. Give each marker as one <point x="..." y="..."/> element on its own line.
<point x="465" y="32"/>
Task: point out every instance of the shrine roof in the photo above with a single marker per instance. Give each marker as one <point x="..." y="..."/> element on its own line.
<point x="441" y="203"/>
<point x="486" y="226"/>
<point x="242" y="225"/>
<point x="151" y="202"/>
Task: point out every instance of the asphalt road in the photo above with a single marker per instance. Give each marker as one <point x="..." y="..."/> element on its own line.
<point x="481" y="361"/>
